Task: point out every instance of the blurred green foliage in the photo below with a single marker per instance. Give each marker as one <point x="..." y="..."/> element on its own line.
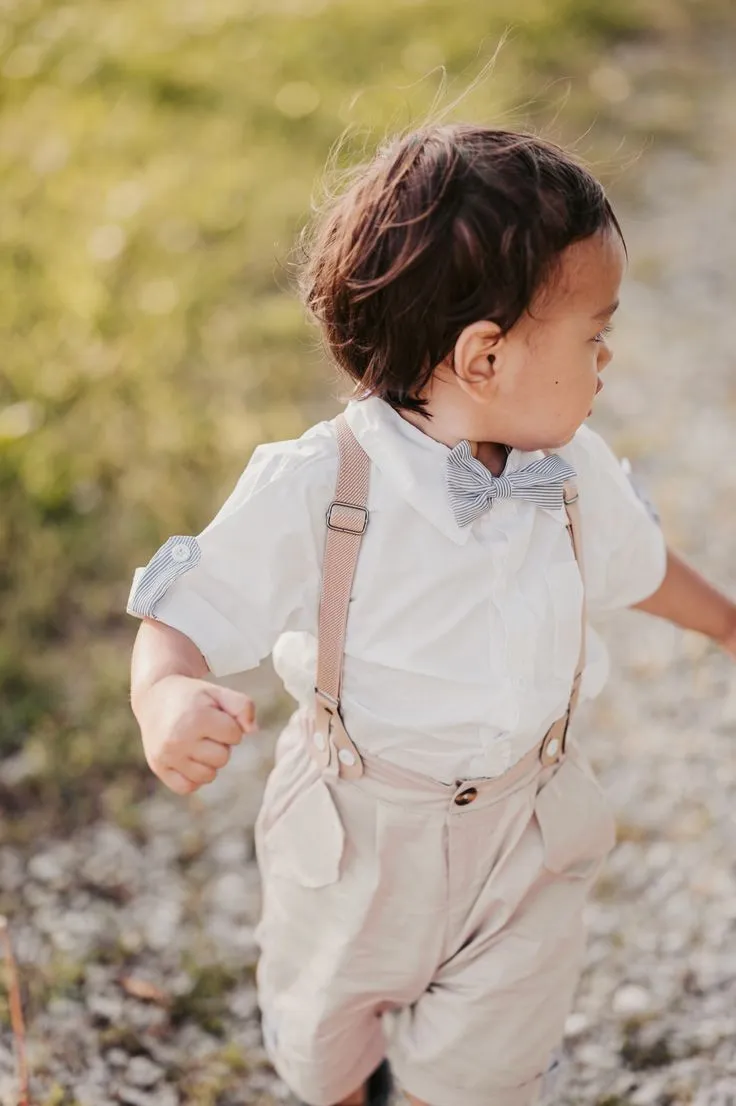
<point x="157" y="160"/>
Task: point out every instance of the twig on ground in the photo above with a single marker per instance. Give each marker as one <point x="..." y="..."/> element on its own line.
<point x="16" y="1013"/>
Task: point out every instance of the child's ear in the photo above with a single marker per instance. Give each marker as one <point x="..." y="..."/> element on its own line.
<point x="475" y="355"/>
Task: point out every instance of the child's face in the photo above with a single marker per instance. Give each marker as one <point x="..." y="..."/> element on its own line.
<point x="542" y="377"/>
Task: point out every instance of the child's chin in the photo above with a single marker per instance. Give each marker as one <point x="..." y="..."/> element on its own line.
<point x="562" y="438"/>
<point x="563" y="441"/>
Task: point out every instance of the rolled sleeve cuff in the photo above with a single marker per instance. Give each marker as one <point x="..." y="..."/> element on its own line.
<point x="179" y="554"/>
<point x="160" y="591"/>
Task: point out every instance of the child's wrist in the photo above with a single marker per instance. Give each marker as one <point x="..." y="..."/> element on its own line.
<point x="142" y="694"/>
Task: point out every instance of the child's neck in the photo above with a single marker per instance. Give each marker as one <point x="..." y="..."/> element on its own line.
<point x="450" y="430"/>
<point x="491" y="454"/>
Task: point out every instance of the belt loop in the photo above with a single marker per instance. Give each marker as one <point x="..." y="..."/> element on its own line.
<point x="332" y="747"/>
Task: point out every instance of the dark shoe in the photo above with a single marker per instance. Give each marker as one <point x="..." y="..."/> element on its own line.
<point x="379" y="1087"/>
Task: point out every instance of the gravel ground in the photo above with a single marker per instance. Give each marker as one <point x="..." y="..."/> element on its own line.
<point x="151" y="932"/>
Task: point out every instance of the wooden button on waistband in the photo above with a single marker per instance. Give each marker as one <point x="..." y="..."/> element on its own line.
<point x="466" y="796"/>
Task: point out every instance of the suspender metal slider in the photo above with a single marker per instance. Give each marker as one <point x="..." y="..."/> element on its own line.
<point x="351" y="518"/>
<point x="327" y="701"/>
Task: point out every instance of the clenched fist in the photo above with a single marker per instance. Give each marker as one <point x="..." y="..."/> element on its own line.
<point x="189" y="726"/>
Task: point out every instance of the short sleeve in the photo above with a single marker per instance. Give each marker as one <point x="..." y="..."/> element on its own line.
<point x="624" y="550"/>
<point x="254" y="571"/>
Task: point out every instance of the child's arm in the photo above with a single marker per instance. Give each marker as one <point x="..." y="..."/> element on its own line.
<point x="160" y="650"/>
<point x="187" y="724"/>
<point x="687" y="599"/>
<point x="215" y="604"/>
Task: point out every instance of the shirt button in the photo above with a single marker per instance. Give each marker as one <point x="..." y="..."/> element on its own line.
<point x="320" y="741"/>
<point x="553" y="747"/>
<point x="181" y="552"/>
<point x="466" y="796"/>
<point x="347" y="757"/>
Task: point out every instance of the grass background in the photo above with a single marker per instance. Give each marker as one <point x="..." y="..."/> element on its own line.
<point x="157" y="162"/>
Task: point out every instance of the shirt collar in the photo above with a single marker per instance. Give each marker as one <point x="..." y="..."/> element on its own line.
<point x="413" y="462"/>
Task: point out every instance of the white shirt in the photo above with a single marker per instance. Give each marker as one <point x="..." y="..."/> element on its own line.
<point x="461" y="642"/>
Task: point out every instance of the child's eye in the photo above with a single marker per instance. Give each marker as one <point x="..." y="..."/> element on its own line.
<point x="601" y="335"/>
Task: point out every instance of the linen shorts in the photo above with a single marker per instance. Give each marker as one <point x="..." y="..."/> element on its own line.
<point x="439" y="925"/>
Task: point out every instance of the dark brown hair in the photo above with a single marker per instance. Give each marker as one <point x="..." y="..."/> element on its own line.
<point x="448" y="225"/>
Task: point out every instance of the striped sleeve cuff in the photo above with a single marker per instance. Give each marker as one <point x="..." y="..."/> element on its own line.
<point x="176" y="556"/>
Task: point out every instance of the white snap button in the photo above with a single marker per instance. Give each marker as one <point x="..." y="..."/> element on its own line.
<point x="181" y="552"/>
<point x="553" y="747"/>
<point x="347" y="757"/>
<point x="320" y="740"/>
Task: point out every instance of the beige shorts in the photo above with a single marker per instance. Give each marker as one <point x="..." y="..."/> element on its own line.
<point x="438" y="925"/>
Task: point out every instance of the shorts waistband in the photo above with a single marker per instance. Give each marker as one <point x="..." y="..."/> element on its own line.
<point x="396" y="783"/>
<point x="402" y="784"/>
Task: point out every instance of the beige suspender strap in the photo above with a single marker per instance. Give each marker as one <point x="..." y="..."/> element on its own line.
<point x="347" y="519"/>
<point x="556" y="737"/>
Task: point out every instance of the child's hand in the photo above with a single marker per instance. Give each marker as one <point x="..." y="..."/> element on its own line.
<point x="188" y="727"/>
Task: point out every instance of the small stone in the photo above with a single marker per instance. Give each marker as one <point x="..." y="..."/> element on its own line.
<point x="142" y="1072"/>
<point x="649" y="1092"/>
<point x="77" y="931"/>
<point x="230" y="893"/>
<point x="160" y="918"/>
<point x="117" y="1058"/>
<point x="108" y="1007"/>
<point x="576" y="1024"/>
<point x="88" y="1094"/>
<point x="243" y="1002"/>
<point x="131" y="940"/>
<point x="145" y="1017"/>
<point x="64" y="1008"/>
<point x="53" y="867"/>
<point x="134" y="1096"/>
<point x="230" y="849"/>
<point x="42" y="899"/>
<point x="631" y="999"/>
<point x="596" y="1056"/>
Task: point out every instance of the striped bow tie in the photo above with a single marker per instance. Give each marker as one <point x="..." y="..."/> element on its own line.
<point x="473" y="489"/>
